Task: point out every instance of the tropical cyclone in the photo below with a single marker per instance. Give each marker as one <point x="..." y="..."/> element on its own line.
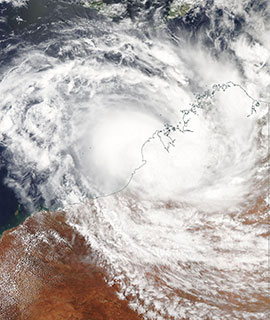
<point x="186" y="236"/>
<point x="47" y="271"/>
<point x="164" y="135"/>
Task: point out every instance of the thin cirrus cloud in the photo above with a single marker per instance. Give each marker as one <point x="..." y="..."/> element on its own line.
<point x="92" y="127"/>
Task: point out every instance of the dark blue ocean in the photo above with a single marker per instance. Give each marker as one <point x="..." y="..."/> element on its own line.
<point x="33" y="23"/>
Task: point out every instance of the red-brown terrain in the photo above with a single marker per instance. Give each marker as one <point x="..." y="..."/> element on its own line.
<point x="47" y="272"/>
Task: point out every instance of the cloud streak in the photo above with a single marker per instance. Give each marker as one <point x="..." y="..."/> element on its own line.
<point x="95" y="114"/>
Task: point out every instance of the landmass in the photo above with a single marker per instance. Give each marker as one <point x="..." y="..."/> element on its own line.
<point x="47" y="271"/>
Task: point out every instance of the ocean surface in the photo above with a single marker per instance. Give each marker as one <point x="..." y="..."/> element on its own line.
<point x="147" y="122"/>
